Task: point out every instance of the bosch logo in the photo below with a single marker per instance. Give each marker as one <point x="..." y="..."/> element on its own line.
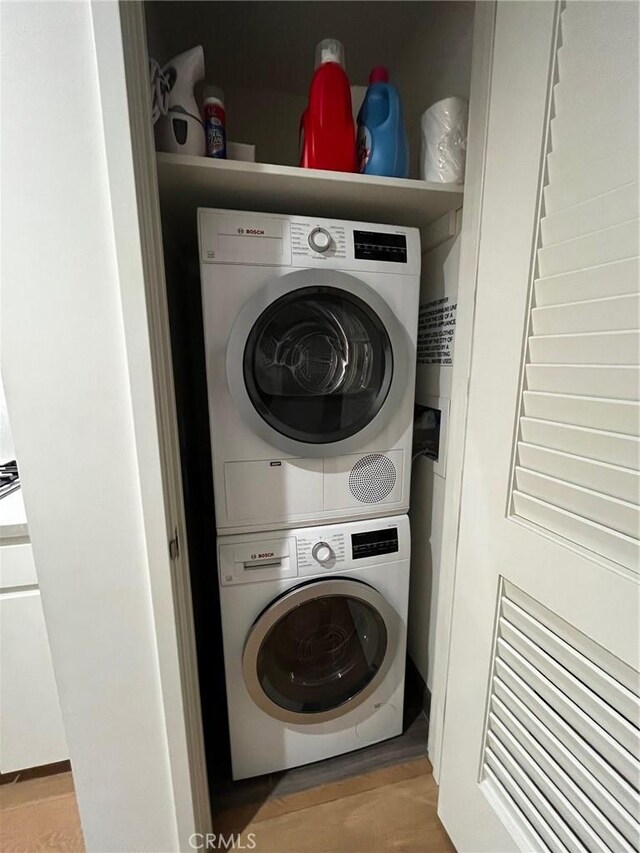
<point x="240" y="230"/>
<point x="263" y="556"/>
<point x="252" y="232"/>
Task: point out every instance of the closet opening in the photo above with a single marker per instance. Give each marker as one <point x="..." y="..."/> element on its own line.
<point x="261" y="56"/>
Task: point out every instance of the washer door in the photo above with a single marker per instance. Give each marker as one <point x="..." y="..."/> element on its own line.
<point x="316" y="362"/>
<point x="319" y="650"/>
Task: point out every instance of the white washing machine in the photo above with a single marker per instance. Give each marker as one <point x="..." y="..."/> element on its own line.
<point x="314" y="624"/>
<point x="310" y="333"/>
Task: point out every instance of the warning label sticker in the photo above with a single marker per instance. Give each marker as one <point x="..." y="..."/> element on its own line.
<point x="436" y="331"/>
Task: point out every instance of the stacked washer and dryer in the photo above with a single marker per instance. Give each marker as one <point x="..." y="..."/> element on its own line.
<point x="310" y="334"/>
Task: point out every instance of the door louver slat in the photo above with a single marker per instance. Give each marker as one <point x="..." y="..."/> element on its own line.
<point x="558" y="786"/>
<point x="613" y="480"/>
<point x="619" y="382"/>
<point x="601" y="658"/>
<point x="562" y="740"/>
<point x="612" y="208"/>
<point x="592" y="676"/>
<point x="569" y="128"/>
<point x="513" y="642"/>
<point x="524" y="680"/>
<point x="515" y="797"/>
<point x="618" y="547"/>
<point x="598" y="444"/>
<point x="616" y="279"/>
<point x="619" y="515"/>
<point x="545" y="724"/>
<point x="581" y="373"/>
<point x="575" y="178"/>
<point x="608" y="314"/>
<point x="618" y="827"/>
<point x="585" y="348"/>
<point x="534" y="795"/>
<point x="589" y="250"/>
<point x="598" y="413"/>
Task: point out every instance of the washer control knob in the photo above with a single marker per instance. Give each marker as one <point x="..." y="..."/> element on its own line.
<point x="322" y="552"/>
<point x="320" y="240"/>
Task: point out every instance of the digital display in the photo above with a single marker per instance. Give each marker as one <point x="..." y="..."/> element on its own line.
<point x="374" y="542"/>
<point x="376" y="246"/>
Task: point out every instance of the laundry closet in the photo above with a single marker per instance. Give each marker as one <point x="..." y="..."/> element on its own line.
<point x="282" y="550"/>
<point x="261" y="55"/>
<point x="512" y="580"/>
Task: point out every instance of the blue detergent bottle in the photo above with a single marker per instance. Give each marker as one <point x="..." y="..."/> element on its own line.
<point x="382" y="140"/>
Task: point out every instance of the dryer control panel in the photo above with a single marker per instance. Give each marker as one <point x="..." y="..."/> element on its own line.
<point x="271" y="239"/>
<point x="310" y="239"/>
<point x="378" y="246"/>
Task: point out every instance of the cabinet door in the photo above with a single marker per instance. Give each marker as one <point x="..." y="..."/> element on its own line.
<point x="541" y="748"/>
<point x="17" y="567"/>
<point x="31" y="731"/>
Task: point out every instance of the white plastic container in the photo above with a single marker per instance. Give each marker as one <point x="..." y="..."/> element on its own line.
<point x="444" y="141"/>
<point x="241" y="151"/>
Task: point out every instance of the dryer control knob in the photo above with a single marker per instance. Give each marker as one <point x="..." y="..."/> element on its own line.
<point x="322" y="552"/>
<point x="320" y="240"/>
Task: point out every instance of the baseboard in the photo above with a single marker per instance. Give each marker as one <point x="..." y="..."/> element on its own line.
<point x="35" y="772"/>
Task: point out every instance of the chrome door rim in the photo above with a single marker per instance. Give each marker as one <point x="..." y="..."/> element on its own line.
<point x="285" y="604"/>
<point x="249" y="315"/>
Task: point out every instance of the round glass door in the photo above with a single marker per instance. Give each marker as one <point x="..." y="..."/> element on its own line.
<point x="319" y="651"/>
<point x="318" y="364"/>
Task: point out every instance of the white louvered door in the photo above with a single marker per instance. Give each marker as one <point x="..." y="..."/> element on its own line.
<point x="541" y="743"/>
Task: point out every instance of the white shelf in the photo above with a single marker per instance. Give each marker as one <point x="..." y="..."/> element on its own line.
<point x="187" y="183"/>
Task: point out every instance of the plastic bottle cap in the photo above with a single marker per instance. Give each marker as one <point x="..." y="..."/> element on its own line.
<point x="329" y="50"/>
<point x="379" y="74"/>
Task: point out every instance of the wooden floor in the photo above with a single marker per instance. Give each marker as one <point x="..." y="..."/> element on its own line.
<point x="389" y="809"/>
<point x="40" y="815"/>
<point x="393" y="808"/>
<point x="411" y="744"/>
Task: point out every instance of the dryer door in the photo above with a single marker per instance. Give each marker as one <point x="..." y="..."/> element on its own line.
<point x="317" y="363"/>
<point x="320" y="650"/>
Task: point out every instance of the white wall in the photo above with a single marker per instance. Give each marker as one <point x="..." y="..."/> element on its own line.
<point x="269" y="120"/>
<point x="426" y="514"/>
<point x="439" y="278"/>
<point x="261" y="117"/>
<point x="65" y="374"/>
<point x="435" y="64"/>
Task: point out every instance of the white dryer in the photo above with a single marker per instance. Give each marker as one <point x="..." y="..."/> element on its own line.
<point x="310" y="333"/>
<point x="314" y="625"/>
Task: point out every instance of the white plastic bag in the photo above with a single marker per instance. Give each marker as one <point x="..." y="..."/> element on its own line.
<point x="444" y="141"/>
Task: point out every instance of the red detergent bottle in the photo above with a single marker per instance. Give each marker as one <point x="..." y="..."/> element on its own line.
<point x="328" y="137"/>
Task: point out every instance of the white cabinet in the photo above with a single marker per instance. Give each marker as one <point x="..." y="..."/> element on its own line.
<point x="31" y="731"/>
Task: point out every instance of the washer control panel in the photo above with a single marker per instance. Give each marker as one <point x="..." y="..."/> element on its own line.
<point x="320" y="551"/>
<point x="374" y="543"/>
<point x="313" y="551"/>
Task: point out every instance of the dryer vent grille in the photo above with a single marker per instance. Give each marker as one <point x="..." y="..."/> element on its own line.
<point x="372" y="478"/>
